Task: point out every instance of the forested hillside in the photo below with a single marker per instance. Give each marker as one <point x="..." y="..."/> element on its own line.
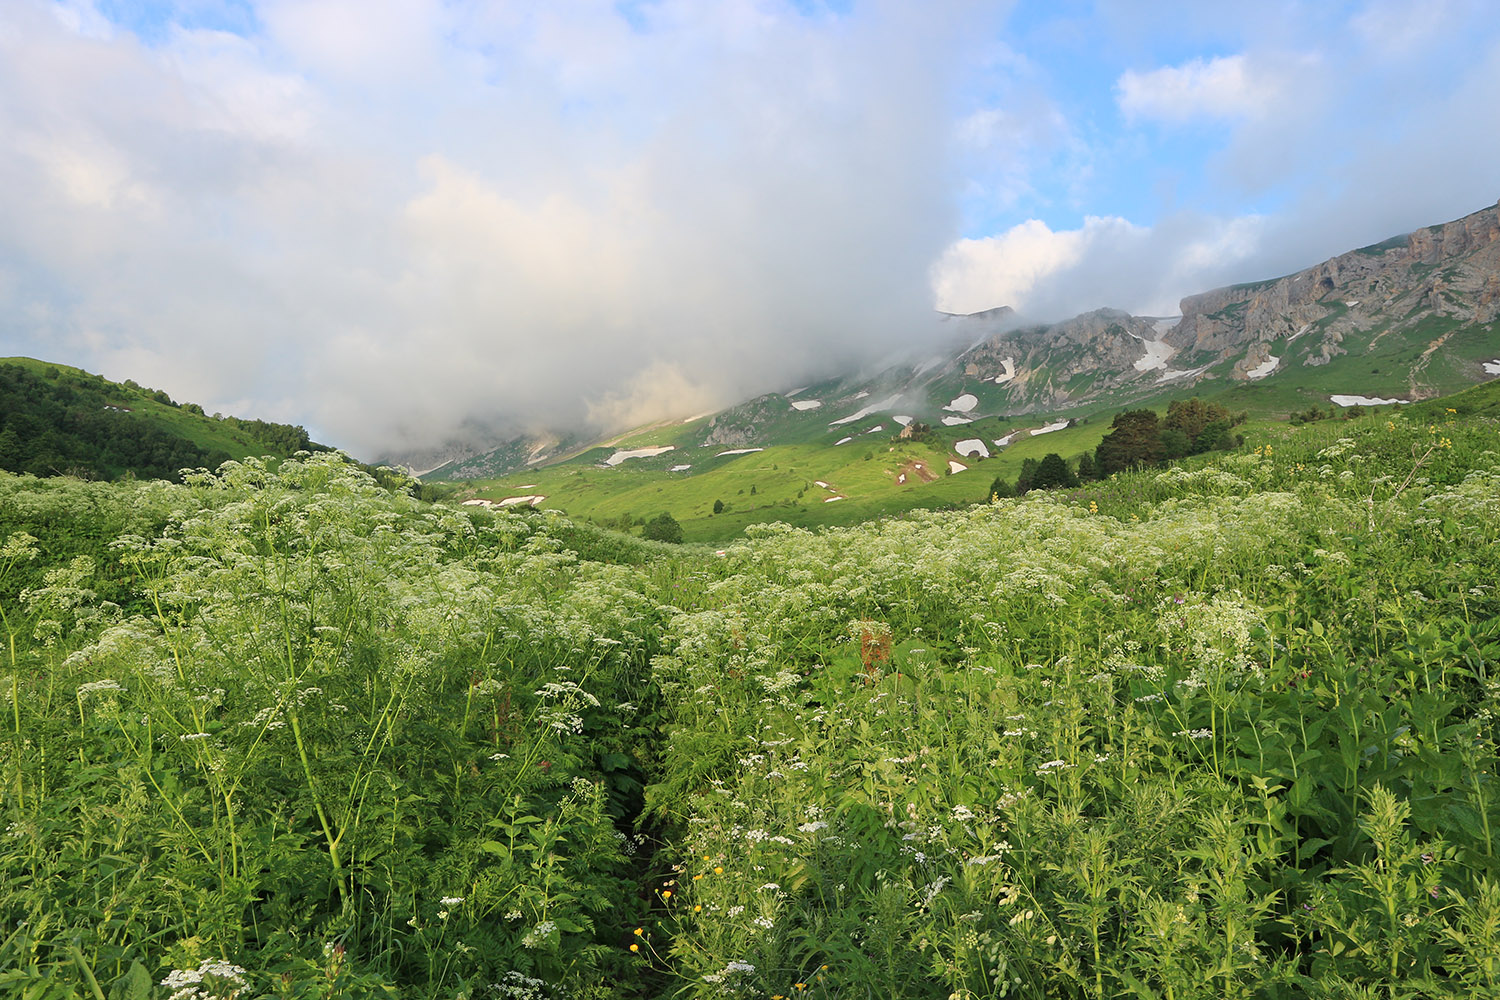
<point x="62" y="421"/>
<point x="1226" y="729"/>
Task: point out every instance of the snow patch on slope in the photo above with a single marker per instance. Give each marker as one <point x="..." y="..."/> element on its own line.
<point x="1264" y="368"/>
<point x="807" y="404"/>
<point x="972" y="446"/>
<point x="884" y="404"/>
<point x="1158" y="353"/>
<point x="1173" y="373"/>
<point x="963" y="404"/>
<point x="621" y="456"/>
<point x="1343" y="400"/>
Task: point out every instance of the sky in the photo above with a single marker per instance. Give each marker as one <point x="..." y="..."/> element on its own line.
<point x="404" y="223"/>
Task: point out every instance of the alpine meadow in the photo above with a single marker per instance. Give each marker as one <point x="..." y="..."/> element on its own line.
<point x="1226" y="729"/>
<point x="749" y="500"/>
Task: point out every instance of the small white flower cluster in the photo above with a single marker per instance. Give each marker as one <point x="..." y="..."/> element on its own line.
<point x="266" y="718"/>
<point x="538" y="935"/>
<point x="98" y="687"/>
<point x="488" y="688"/>
<point x="1197" y="734"/>
<point x="216" y="973"/>
<point x="516" y="986"/>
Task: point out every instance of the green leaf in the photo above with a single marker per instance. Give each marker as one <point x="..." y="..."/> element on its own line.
<point x="134" y="985"/>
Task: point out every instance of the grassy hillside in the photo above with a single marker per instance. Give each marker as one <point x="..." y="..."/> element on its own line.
<point x="1227" y="729"/>
<point x="62" y="420"/>
<point x="798" y="450"/>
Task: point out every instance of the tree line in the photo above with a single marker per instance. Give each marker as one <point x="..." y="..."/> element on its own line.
<point x="1137" y="438"/>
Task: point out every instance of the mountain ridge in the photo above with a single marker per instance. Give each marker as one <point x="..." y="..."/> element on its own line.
<point x="1409" y="317"/>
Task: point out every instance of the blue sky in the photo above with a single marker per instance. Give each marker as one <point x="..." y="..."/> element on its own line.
<point x="401" y="222"/>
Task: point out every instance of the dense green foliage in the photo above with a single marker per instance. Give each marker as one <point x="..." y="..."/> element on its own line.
<point x="1220" y="730"/>
<point x="664" y="528"/>
<point x="1138" y="437"/>
<point x="78" y="428"/>
<point x="56" y="421"/>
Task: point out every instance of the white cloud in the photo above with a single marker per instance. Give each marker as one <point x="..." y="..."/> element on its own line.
<point x="398" y="222"/>
<point x="1399" y="28"/>
<point x="1108" y="261"/>
<point x="978" y="274"/>
<point x="1224" y="87"/>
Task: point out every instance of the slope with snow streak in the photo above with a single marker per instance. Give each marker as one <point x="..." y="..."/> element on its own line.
<point x="884" y="404"/>
<point x="1264" y="368"/>
<point x="621" y="456"/>
<point x="1343" y="400"/>
<point x="963" y="404"/>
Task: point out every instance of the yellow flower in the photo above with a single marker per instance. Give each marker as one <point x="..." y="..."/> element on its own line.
<point x="800" y="986"/>
<point x="698" y="909"/>
<point x="718" y="870"/>
<point x="635" y="947"/>
<point x="697" y="877"/>
<point x="666" y="894"/>
<point x="639" y="931"/>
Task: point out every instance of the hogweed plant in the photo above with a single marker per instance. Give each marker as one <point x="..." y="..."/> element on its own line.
<point x="1221" y="730"/>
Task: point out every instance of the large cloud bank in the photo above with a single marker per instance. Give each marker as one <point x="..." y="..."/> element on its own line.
<point x="397" y="221"/>
<point x="404" y="222"/>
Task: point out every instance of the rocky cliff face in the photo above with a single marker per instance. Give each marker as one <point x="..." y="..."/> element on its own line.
<point x="1046" y="367"/>
<point x="1450" y="271"/>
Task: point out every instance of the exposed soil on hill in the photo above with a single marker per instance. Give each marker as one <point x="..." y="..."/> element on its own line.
<point x="912" y="472"/>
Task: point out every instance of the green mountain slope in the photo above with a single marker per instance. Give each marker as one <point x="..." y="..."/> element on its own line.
<point x="59" y="420"/>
